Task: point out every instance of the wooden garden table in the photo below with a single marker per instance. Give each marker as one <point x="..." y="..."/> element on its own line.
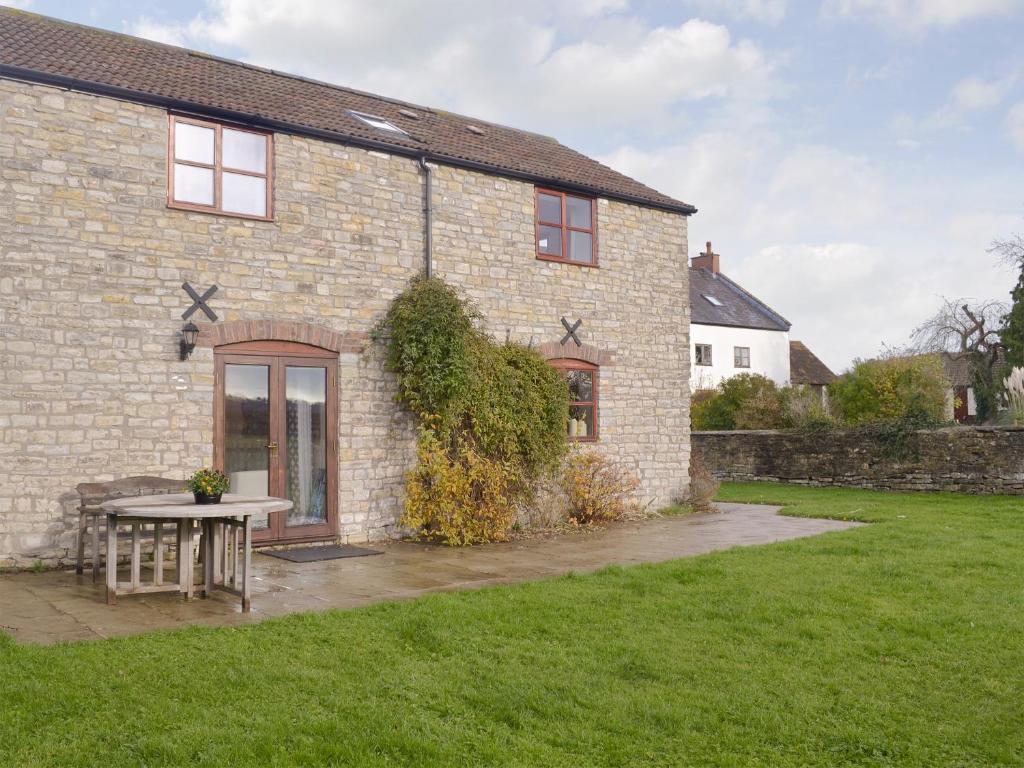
<point x="222" y="526"/>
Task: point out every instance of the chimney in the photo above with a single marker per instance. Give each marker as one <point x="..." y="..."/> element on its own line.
<point x="707" y="260"/>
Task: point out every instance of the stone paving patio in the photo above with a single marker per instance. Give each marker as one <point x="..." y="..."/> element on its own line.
<point x="60" y="606"/>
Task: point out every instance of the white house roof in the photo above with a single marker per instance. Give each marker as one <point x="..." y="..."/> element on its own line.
<point x="717" y="300"/>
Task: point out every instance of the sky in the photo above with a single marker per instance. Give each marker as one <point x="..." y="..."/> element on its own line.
<point x="852" y="160"/>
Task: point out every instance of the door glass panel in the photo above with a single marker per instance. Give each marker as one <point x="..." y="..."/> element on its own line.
<point x="247" y="431"/>
<point x="306" y="444"/>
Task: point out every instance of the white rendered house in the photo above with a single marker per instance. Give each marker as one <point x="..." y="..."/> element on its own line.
<point x="734" y="332"/>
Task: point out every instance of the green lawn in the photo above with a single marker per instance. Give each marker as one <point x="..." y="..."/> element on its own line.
<point x="898" y="643"/>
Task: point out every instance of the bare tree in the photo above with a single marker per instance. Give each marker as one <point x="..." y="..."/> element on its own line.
<point x="958" y="327"/>
<point x="972" y="332"/>
<point x="1009" y="251"/>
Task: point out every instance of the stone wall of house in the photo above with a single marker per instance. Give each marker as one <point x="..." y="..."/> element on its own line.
<point x="962" y="459"/>
<point x="91" y="267"/>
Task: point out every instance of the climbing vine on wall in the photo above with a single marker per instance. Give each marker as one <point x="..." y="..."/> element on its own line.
<point x="491" y="417"/>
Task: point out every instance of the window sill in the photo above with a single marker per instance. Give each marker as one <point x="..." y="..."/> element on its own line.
<point x="588" y="439"/>
<point x="215" y="212"/>
<point x="561" y="260"/>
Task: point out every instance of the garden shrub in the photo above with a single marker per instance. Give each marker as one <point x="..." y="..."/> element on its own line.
<point x="598" y="489"/>
<point x="491" y="417"/>
<point x="891" y="389"/>
<point x="458" y="495"/>
<point x="745" y="401"/>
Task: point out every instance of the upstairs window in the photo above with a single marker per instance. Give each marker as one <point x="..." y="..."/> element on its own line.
<point x="582" y="379"/>
<point x="702" y="354"/>
<point x="566" y="228"/>
<point x="219" y="169"/>
<point x="741" y="357"/>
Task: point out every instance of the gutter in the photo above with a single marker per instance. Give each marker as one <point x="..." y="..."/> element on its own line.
<point x="270" y="124"/>
<point x="428" y="218"/>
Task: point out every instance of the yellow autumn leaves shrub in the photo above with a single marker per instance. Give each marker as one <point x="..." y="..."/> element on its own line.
<point x="598" y="489"/>
<point x="459" y="496"/>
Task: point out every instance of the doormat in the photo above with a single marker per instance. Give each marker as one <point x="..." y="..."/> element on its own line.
<point x="316" y="554"/>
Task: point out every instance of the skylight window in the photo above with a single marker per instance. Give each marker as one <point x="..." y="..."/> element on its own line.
<point x="712" y="300"/>
<point x="378" y="122"/>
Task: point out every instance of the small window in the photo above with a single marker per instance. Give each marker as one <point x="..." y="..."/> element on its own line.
<point x="702" y="354"/>
<point x="219" y="168"/>
<point x="741" y="357"/>
<point x="566" y="228"/>
<point x="378" y="122"/>
<point x="712" y="300"/>
<point x="582" y="379"/>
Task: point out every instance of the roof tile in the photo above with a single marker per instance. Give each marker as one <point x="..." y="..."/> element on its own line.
<point x="100" y="59"/>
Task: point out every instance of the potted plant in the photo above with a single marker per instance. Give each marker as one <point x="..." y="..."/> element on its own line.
<point x="207" y="485"/>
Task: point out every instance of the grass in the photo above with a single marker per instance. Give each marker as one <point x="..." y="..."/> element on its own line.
<point x="899" y="643"/>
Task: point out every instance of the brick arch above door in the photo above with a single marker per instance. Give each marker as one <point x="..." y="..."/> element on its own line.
<point x="235" y="331"/>
<point x="553" y="350"/>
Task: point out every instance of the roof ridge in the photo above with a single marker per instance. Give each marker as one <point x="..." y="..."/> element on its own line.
<point x="143" y="41"/>
<point x="753" y="299"/>
<point x="42" y="49"/>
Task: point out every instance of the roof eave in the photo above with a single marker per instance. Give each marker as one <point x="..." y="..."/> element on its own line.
<point x="258" y="121"/>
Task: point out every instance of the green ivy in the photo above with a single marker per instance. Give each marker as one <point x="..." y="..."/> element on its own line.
<point x="491" y="416"/>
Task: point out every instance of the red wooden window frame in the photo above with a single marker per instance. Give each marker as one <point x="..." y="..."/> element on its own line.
<point x="218" y="168"/>
<point x="565" y="365"/>
<point x="565" y="228"/>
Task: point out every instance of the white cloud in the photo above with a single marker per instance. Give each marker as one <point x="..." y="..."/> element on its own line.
<point x="23" y="4"/>
<point x="967" y="97"/>
<point x="524" y="64"/>
<point x="1014" y="124"/>
<point x="918" y="14"/>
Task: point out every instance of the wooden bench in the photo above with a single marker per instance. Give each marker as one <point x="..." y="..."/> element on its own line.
<point x="91" y="519"/>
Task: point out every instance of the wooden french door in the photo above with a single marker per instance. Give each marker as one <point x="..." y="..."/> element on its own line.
<point x="275" y="433"/>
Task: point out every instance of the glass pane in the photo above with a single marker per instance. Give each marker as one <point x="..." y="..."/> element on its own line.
<point x="244" y="151"/>
<point x="581" y="385"/>
<point x="244" y="194"/>
<point x="549" y="241"/>
<point x="247" y="431"/>
<point x="194" y="143"/>
<point x="578" y="212"/>
<point x="549" y="209"/>
<point x="306" y="444"/>
<point x="581" y="421"/>
<point x="581" y="247"/>
<point x="193" y="185"/>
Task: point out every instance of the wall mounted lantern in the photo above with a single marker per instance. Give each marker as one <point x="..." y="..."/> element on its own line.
<point x="189" y="334"/>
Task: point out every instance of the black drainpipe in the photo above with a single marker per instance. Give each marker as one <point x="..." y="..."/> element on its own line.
<point x="428" y="216"/>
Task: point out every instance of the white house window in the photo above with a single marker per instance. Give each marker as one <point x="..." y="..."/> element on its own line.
<point x="712" y="300"/>
<point x="702" y="354"/>
<point x="219" y="168"/>
<point x="378" y="122"/>
<point x="741" y="357"/>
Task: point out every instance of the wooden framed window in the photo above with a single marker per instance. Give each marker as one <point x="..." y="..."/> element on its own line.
<point x="582" y="379"/>
<point x="566" y="228"/>
<point x="219" y="168"/>
<point x="741" y="357"/>
<point x="702" y="354"/>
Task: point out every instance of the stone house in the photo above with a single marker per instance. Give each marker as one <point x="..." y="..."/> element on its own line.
<point x="733" y="332"/>
<point x="145" y="187"/>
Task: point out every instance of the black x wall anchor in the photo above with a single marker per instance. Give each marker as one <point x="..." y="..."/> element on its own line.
<point x="199" y="302"/>
<point x="571" y="332"/>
